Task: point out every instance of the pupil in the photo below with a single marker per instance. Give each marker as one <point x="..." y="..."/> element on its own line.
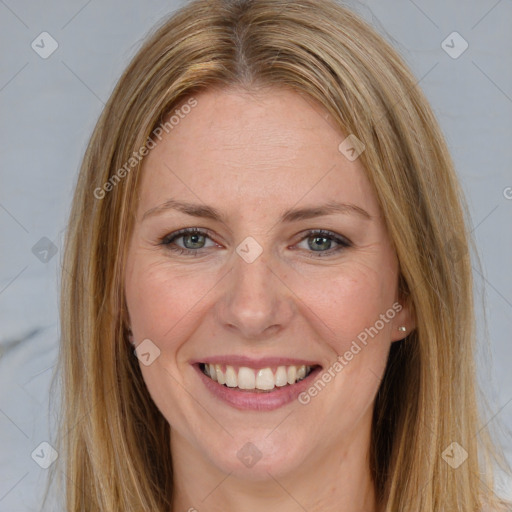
<point x="194" y="238"/>
<point x="326" y="240"/>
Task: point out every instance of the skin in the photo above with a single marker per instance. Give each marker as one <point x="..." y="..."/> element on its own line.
<point x="252" y="155"/>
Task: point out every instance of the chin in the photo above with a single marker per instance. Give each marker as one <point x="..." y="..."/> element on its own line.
<point x="260" y="455"/>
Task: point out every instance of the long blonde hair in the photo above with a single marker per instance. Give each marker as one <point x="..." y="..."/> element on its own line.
<point x="113" y="440"/>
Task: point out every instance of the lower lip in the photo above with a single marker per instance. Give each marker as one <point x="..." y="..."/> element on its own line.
<point x="265" y="401"/>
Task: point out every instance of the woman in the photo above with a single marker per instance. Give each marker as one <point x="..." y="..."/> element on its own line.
<point x="262" y="305"/>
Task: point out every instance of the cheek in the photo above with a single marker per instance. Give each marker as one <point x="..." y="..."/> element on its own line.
<point x="349" y="299"/>
<point x="361" y="314"/>
<point x="351" y="303"/>
<point x="164" y="305"/>
<point x="160" y="298"/>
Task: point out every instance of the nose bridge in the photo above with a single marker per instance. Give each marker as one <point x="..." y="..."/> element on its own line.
<point x="254" y="299"/>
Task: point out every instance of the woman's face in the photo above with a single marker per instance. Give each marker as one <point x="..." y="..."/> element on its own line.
<point x="257" y="291"/>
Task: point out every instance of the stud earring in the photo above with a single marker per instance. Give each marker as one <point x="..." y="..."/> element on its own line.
<point x="402" y="328"/>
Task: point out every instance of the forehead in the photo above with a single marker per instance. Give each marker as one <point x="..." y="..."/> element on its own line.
<point x="262" y="147"/>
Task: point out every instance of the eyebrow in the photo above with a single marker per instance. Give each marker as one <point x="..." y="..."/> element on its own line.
<point x="292" y="215"/>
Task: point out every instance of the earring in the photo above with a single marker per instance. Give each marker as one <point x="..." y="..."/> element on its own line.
<point x="402" y="328"/>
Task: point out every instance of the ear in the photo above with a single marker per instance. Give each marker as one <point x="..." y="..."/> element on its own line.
<point x="129" y="336"/>
<point x="404" y="321"/>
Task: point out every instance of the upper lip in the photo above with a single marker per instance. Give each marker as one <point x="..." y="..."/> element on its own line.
<point x="262" y="362"/>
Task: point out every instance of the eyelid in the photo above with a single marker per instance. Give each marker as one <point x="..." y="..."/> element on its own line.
<point x="185" y="231"/>
<point x="327" y="233"/>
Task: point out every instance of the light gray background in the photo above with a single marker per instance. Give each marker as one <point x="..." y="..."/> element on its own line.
<point x="48" y="110"/>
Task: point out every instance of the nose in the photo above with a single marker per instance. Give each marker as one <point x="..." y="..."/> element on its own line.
<point x="256" y="303"/>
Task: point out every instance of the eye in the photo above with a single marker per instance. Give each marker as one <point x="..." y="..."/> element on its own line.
<point x="193" y="240"/>
<point x="319" y="241"/>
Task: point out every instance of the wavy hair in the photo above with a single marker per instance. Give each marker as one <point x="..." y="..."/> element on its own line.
<point x="113" y="440"/>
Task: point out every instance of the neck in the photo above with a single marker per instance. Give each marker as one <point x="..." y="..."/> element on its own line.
<point x="330" y="480"/>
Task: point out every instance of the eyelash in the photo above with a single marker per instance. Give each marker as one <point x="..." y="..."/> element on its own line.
<point x="168" y="240"/>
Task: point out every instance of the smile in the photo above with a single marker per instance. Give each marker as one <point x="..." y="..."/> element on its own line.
<point x="262" y="379"/>
<point x="257" y="385"/>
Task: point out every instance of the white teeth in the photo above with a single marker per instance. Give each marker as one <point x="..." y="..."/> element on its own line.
<point x="292" y="374"/>
<point x="281" y="376"/>
<point x="221" y="377"/>
<point x="246" y="378"/>
<point x="263" y="379"/>
<point x="231" y="378"/>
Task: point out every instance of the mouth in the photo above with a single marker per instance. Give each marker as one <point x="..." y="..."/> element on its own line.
<point x="265" y="385"/>
<point x="262" y="380"/>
